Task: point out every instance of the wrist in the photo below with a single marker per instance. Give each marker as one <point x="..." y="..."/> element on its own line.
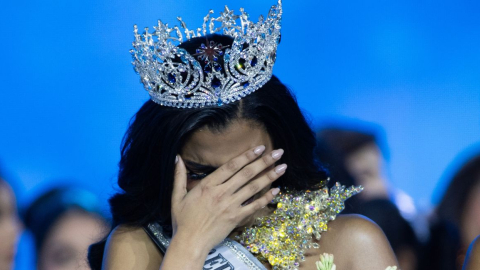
<point x="183" y="253"/>
<point x="194" y="246"/>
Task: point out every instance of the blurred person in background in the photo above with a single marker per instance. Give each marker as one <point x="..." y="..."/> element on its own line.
<point x="456" y="221"/>
<point x="10" y="226"/>
<point x="64" y="222"/>
<point x="355" y="153"/>
<point x="353" y="156"/>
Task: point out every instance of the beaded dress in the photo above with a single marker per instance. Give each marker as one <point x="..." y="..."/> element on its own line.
<point x="281" y="238"/>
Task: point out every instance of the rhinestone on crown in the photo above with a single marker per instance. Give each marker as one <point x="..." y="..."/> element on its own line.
<point x="175" y="78"/>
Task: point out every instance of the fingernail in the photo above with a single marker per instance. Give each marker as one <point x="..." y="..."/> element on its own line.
<point x="275" y="191"/>
<point x="280" y="168"/>
<point x="259" y="149"/>
<point x="277" y="154"/>
<point x="176" y="159"/>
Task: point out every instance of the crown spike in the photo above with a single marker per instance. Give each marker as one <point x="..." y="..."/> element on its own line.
<point x="211" y="26"/>
<point x="179" y="34"/>
<point x="188" y="33"/>
<point x="243" y="19"/>
<point x="205" y="20"/>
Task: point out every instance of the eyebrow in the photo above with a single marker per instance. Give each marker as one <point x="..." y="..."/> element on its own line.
<point x="199" y="167"/>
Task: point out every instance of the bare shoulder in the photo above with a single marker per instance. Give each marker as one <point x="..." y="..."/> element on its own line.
<point x="356" y="243"/>
<point x="473" y="256"/>
<point x="131" y="248"/>
<point x="357" y="229"/>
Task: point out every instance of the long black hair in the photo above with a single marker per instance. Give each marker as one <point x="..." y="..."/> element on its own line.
<point x="458" y="192"/>
<point x="444" y="248"/>
<point x="157" y="134"/>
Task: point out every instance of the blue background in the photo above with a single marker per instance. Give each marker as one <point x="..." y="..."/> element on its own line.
<point x="68" y="89"/>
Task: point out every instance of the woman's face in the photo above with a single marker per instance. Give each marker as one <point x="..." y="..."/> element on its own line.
<point x="9" y="226"/>
<point x="65" y="246"/>
<point x="365" y="165"/>
<point x="206" y="150"/>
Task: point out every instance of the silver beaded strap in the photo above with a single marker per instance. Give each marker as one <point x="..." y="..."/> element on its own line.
<point x="243" y="255"/>
<point x="155" y="231"/>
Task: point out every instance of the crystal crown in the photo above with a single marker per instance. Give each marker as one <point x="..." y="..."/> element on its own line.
<point x="175" y="78"/>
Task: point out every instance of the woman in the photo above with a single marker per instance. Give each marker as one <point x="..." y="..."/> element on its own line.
<point x="205" y="157"/>
<point x="64" y="222"/>
<point x="456" y="222"/>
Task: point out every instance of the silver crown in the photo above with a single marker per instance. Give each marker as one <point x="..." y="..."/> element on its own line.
<point x="173" y="77"/>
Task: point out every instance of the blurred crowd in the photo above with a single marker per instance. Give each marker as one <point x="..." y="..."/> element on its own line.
<point x="64" y="221"/>
<point x="355" y="155"/>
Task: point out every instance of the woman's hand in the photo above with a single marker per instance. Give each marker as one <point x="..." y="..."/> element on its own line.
<point x="212" y="209"/>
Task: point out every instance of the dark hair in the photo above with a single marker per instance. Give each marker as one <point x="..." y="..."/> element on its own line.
<point x="445" y="242"/>
<point x="157" y="133"/>
<point x="346" y="141"/>
<point x="346" y="136"/>
<point x="455" y="198"/>
<point x="50" y="206"/>
<point x="442" y="248"/>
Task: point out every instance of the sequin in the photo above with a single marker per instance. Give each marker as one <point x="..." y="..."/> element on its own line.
<point x="285" y="235"/>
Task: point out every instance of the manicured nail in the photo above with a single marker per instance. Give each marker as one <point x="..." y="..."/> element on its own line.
<point x="280" y="168"/>
<point x="176" y="159"/>
<point x="259" y="149"/>
<point x="277" y="154"/>
<point x="275" y="191"/>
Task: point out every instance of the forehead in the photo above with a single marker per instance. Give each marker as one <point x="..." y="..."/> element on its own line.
<point x="215" y="148"/>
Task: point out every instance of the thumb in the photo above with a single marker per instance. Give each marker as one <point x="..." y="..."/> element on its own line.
<point x="180" y="181"/>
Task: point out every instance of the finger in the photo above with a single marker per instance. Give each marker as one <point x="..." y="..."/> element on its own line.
<point x="180" y="181"/>
<point x="228" y="169"/>
<point x="252" y="170"/>
<point x="257" y="185"/>
<point x="259" y="203"/>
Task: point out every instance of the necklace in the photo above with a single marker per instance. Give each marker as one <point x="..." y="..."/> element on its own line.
<point x="282" y="237"/>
